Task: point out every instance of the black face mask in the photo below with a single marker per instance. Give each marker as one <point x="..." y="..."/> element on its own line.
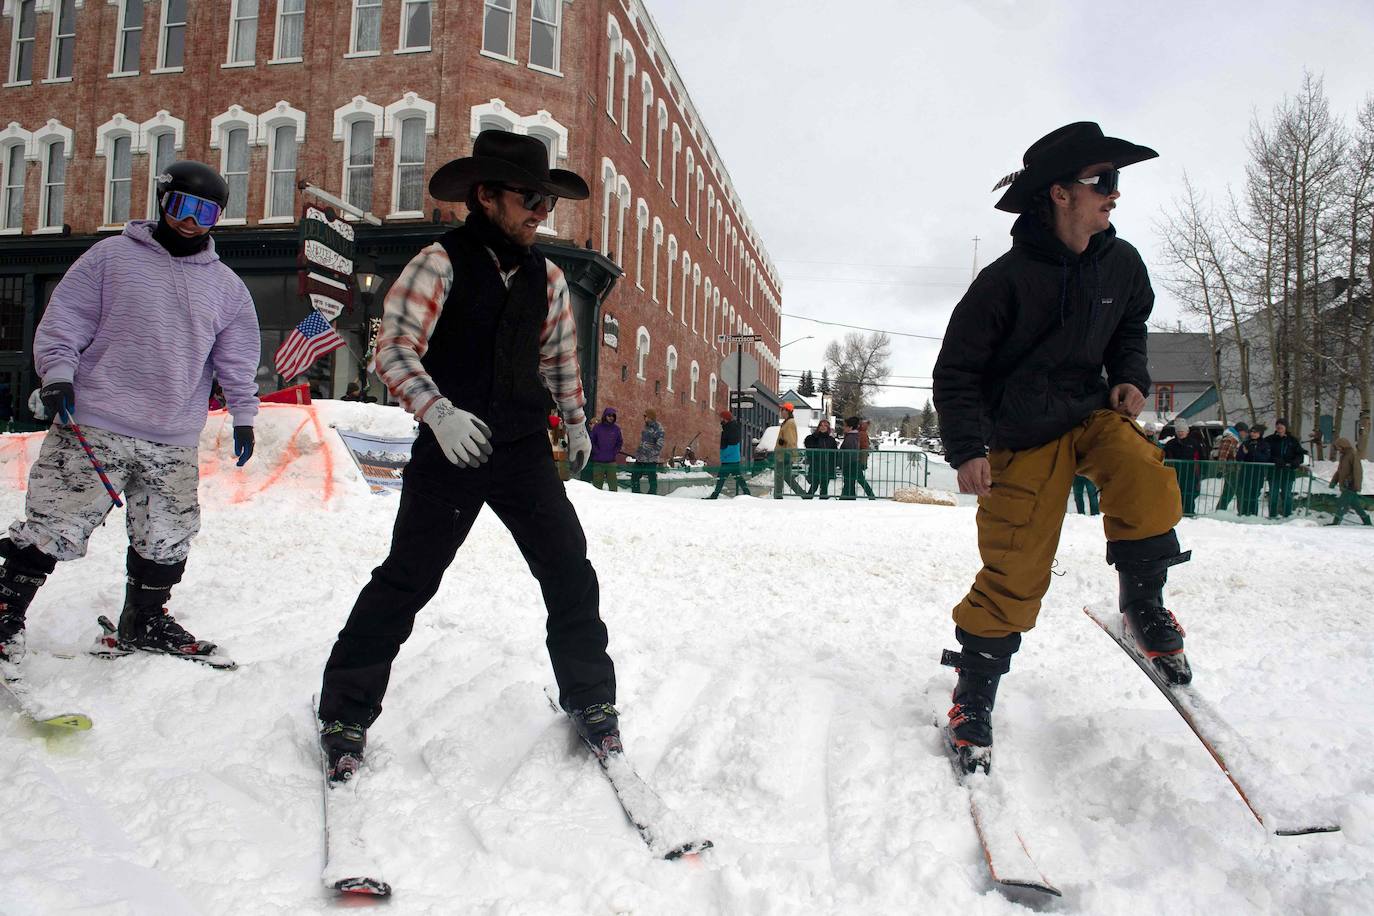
<point x="178" y="245"/>
<point x="508" y="253"/>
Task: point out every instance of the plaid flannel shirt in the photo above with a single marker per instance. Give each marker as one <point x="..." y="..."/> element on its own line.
<point x="413" y="306"/>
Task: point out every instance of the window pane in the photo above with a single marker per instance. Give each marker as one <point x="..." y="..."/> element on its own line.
<point x="175" y="53"/>
<point x="14" y="187"/>
<point x="410" y="177"/>
<point x="245" y="31"/>
<point x="120" y="171"/>
<point x="292" y="35"/>
<point x="284" y="170"/>
<point x="496" y="27"/>
<point x="417" y="25"/>
<point x="23" y="65"/>
<point x="543" y="45"/>
<point x="57" y="179"/>
<point x="236" y="173"/>
<point x="131" y="39"/>
<point x="165" y="153"/>
<point x="368" y="36"/>
<point x="64" y="57"/>
<point x="360" y="146"/>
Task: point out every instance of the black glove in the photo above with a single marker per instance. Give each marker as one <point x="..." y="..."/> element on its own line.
<point x="243" y="444"/>
<point x="58" y="398"/>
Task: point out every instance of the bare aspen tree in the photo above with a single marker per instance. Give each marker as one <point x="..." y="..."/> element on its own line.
<point x="860" y="366"/>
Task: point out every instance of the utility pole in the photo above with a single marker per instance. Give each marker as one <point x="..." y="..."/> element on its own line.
<point x="974" y="273"/>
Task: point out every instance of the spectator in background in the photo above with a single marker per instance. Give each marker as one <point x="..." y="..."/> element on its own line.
<point x="217" y="400"/>
<point x="784" y="453"/>
<point x="1151" y="431"/>
<point x="606" y="444"/>
<point x="36" y="405"/>
<point x="1082" y="487"/>
<point x="648" y="454"/>
<point x="1228" y="454"/>
<point x="1315" y="441"/>
<point x="730" y="435"/>
<point x="1286" y="454"/>
<point x="559" y="445"/>
<point x="1349" y="479"/>
<point x="865" y="445"/>
<point x="820" y="464"/>
<point x="354" y="392"/>
<point x="849" y="457"/>
<point x="1186" y="451"/>
<point x="1254" y="456"/>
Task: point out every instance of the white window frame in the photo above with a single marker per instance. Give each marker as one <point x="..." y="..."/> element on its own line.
<point x="672" y="260"/>
<point x="622" y="208"/>
<point x="641" y="225"/>
<point x="677" y="148"/>
<point x="111" y="138"/>
<point x="408" y="107"/>
<point x="608" y="188"/>
<point x="712" y="395"/>
<point x="671" y="362"/>
<point x="557" y="68"/>
<point x="646" y="87"/>
<point x="353" y="28"/>
<point x="662" y="130"/>
<point x="235" y="17"/>
<point x="401" y="46"/>
<point x="120" y="31"/>
<point x="358" y="109"/>
<point x="690" y="161"/>
<point x="643" y="343"/>
<point x="628" y="59"/>
<point x="20" y="141"/>
<point x="41" y="144"/>
<point x="278" y="20"/>
<point x="696" y="284"/>
<point x="150" y="139"/>
<point x="223" y="144"/>
<point x="694" y="374"/>
<point x="280" y="114"/>
<point x="612" y="55"/>
<point x="163" y="31"/>
<point x="54" y="45"/>
<point x="17" y="7"/>
<point x="658" y="243"/>
<point x="514" y="11"/>
<point x="696" y="207"/>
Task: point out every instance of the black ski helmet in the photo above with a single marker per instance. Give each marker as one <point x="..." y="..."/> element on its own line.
<point x="195" y="178"/>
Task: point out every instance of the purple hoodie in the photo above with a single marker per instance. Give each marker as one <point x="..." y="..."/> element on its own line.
<point x="606" y="440"/>
<point x="140" y="333"/>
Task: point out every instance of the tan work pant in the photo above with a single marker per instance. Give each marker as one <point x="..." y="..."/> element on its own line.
<point x="1020" y="520"/>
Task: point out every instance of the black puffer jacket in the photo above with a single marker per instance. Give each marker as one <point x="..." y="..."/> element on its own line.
<point x="1023" y="358"/>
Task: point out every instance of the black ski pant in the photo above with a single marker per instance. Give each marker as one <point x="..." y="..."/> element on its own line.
<point x="439" y="503"/>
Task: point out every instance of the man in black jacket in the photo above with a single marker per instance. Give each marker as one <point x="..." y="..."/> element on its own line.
<point x="477" y="334"/>
<point x="1185" y="450"/>
<point x="1021" y="372"/>
<point x="1286" y="453"/>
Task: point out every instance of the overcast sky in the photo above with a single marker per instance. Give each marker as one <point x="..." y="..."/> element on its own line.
<point x="864" y="138"/>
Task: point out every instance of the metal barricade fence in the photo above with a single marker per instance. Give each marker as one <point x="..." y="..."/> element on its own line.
<point x="1242" y="489"/>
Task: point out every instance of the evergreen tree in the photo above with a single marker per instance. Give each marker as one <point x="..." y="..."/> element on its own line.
<point x="807" y="388"/>
<point x="905" y="430"/>
<point x="929" y="426"/>
<point x="825" y="381"/>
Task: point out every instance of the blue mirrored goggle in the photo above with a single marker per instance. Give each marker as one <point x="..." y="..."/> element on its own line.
<point x="179" y="205"/>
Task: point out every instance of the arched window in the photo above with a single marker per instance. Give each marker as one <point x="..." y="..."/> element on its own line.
<point x="686" y="277"/>
<point x="284" y="128"/>
<point x="646" y="88"/>
<point x="641" y="224"/>
<point x="672" y="259"/>
<point x="711" y="395"/>
<point x="696" y="282"/>
<point x="409" y="122"/>
<point x="696" y="208"/>
<point x="233" y="132"/>
<point x="608" y="188"/>
<point x="710" y="209"/>
<point x="672" y="365"/>
<point x="612" y="55"/>
<point x="641" y="351"/>
<point x="115" y="142"/>
<point x="707" y="288"/>
<point x="695" y="377"/>
<point x="53" y="142"/>
<point x="677" y="148"/>
<point x="491" y="115"/>
<point x="357" y="125"/>
<point x="14" y="151"/>
<point x="622" y="207"/>
<point x="658" y="243"/>
<point x="687" y="187"/>
<point x="717" y="312"/>
<point x="163" y="135"/>
<point x="662" y="130"/>
<point x="629" y="57"/>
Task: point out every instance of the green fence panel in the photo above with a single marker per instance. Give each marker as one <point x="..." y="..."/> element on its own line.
<point x="1242" y="489"/>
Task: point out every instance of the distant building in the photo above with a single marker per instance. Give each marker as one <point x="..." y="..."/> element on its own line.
<point x="365" y="99"/>
<point x="1180" y="372"/>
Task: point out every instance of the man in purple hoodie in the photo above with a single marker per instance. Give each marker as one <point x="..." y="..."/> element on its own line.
<point x="129" y="345"/>
<point x="607" y="440"/>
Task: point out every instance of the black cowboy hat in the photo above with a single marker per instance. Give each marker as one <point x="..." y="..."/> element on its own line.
<point x="1062" y="153"/>
<point x="499" y="155"/>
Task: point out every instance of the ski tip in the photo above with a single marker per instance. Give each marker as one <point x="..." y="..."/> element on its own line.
<point x="72" y="721"/>
<point x="1041" y="887"/>
<point x="688" y="851"/>
<point x="369" y="887"/>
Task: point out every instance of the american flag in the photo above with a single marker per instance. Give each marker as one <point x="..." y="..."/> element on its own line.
<point x="307" y="342"/>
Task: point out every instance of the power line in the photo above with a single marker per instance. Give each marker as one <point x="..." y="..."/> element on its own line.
<point x="856" y="327"/>
<point x="861" y="264"/>
<point x="863" y="282"/>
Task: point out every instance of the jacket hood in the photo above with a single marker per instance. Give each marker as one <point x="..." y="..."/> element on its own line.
<point x="1343" y="444"/>
<point x="1030" y="234"/>
<point x="141" y="231"/>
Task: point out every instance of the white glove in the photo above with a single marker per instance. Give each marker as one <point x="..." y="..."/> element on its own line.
<point x="464" y="439"/>
<point x="579" y="446"/>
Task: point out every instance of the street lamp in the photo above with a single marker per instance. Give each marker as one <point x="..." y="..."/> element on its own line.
<point x="368" y="284"/>
<point x="798" y="340"/>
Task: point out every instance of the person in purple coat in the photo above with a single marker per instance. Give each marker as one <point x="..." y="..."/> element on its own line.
<point x="127" y="349"/>
<point x="607" y="440"/>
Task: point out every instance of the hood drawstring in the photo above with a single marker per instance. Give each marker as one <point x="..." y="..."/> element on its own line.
<point x="1096" y="304"/>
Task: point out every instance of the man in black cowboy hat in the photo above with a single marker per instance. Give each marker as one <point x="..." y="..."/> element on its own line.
<point x="477" y="334"/>
<point x="1021" y="372"/>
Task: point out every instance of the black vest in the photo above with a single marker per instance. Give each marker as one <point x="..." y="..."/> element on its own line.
<point x="484" y="350"/>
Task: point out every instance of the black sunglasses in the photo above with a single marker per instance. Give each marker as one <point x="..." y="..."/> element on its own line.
<point x="531" y="200"/>
<point x="1105" y="183"/>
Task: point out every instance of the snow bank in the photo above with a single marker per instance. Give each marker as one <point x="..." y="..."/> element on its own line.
<point x="795" y="726"/>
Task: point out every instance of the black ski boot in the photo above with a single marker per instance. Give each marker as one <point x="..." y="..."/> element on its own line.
<point x="1143" y="568"/>
<point x="981" y="665"/>
<point x="599" y="726"/>
<point x="145" y="623"/>
<point x="23" y="573"/>
<point x="343" y="745"/>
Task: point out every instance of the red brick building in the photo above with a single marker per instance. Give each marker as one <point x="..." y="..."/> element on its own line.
<point x="365" y="99"/>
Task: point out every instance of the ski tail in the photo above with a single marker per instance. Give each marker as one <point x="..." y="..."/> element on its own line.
<point x="30" y="707"/>
<point x="348" y="867"/>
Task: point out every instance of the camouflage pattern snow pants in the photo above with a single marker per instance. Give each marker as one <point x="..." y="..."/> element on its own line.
<point x="66" y="500"/>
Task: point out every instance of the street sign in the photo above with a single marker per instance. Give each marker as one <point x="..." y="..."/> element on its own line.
<point x="738" y="337"/>
<point x="741" y="400"/>
<point x="739" y="370"/>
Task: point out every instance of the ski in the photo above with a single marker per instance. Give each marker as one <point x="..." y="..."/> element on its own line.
<point x="1263" y="790"/>
<point x="348" y="868"/>
<point x="1009" y="861"/>
<point x="19" y="692"/>
<point x="666" y="833"/>
<point x="108" y="645"/>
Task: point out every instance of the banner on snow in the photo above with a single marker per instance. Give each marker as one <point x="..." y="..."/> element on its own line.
<point x="381" y="459"/>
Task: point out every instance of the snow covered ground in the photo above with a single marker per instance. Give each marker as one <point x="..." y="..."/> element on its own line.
<point x="778" y="681"/>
